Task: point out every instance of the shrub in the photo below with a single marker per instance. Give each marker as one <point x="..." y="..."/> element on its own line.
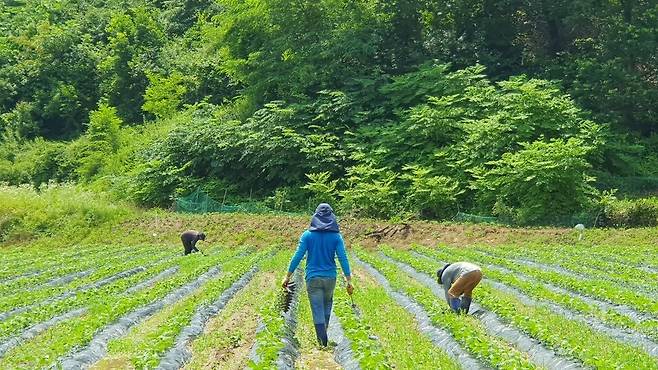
<point x="431" y="196"/>
<point x="164" y="95"/>
<point x="370" y="192"/>
<point x="323" y="189"/>
<point x="542" y="183"/>
<point x="102" y="141"/>
<point x="632" y="213"/>
<point x="35" y="162"/>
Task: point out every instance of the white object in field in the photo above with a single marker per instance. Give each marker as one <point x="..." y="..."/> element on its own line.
<point x="581" y="230"/>
<point x="154" y="234"/>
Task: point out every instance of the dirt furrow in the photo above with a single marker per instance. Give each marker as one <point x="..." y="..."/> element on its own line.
<point x="179" y="354"/>
<point x="439" y="337"/>
<point x="97" y="347"/>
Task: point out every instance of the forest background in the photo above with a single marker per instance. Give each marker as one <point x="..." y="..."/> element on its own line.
<point x="534" y="112"/>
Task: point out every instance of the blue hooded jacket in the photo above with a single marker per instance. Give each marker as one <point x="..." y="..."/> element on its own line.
<point x="323" y="243"/>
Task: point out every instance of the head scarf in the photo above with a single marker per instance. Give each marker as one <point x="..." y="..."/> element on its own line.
<point x="324" y="219"/>
<point x="439" y="273"/>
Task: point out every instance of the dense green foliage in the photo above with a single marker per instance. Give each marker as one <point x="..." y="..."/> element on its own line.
<point x="389" y="108"/>
<point x="61" y="210"/>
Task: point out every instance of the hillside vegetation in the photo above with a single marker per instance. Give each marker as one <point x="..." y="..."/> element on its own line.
<point x="531" y="112"/>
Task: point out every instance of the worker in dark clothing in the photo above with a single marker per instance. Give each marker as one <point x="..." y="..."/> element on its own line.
<point x="189" y="239"/>
<point x="458" y="280"/>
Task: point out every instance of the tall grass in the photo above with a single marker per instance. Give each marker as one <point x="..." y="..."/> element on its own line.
<point x="27" y="212"/>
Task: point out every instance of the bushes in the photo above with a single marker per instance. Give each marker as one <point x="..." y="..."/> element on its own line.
<point x="632" y="213"/>
<point x="36" y="162"/>
<point x="433" y="197"/>
<point x="370" y="192"/>
<point x="164" y="95"/>
<point x="518" y="149"/>
<point x="367" y="191"/>
<point x="100" y="141"/>
<point x="542" y="182"/>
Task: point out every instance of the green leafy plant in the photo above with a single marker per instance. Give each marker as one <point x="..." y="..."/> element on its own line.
<point x="322" y="188"/>
<point x="540" y="182"/>
<point x="164" y="95"/>
<point x="369" y="192"/>
<point x="431" y="196"/>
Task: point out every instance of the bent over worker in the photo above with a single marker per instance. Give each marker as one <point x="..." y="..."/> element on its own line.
<point x="189" y="239"/>
<point x="323" y="242"/>
<point x="458" y="280"/>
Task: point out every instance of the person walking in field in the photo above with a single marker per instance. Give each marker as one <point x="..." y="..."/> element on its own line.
<point x="189" y="239"/>
<point x="458" y="280"/>
<point x="322" y="242"/>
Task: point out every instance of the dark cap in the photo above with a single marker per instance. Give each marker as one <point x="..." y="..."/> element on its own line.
<point x="439" y="273"/>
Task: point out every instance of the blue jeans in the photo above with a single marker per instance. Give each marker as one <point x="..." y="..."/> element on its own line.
<point x="321" y="297"/>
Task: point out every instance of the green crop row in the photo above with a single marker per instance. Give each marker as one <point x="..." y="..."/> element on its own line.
<point x="597" y="288"/>
<point x="148" y="341"/>
<point x="466" y="330"/>
<point x="398" y="334"/>
<point x="539" y="291"/>
<point x="57" y="341"/>
<point x="44" y="252"/>
<point x="268" y="340"/>
<point x="43" y="260"/>
<point x="312" y="355"/>
<point x="64" y="267"/>
<point x="602" y="258"/>
<point x="627" y="252"/>
<point x="567" y="336"/>
<point x="234" y="328"/>
<point x="19" y="322"/>
<point x="16" y="256"/>
<point x="588" y="266"/>
<point x="367" y="350"/>
<point x="39" y="294"/>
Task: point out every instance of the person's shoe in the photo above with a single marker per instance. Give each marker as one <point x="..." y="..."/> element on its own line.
<point x="330" y="347"/>
<point x="466" y="304"/>
<point x="455" y="304"/>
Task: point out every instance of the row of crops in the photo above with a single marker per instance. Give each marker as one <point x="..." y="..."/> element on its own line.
<point x="145" y="307"/>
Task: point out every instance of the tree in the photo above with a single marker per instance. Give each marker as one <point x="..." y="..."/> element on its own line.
<point x="164" y="95"/>
<point x="544" y="181"/>
<point x="101" y="139"/>
<point x="54" y="72"/>
<point x="135" y="37"/>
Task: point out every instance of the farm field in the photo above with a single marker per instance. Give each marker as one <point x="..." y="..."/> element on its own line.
<point x="145" y="306"/>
